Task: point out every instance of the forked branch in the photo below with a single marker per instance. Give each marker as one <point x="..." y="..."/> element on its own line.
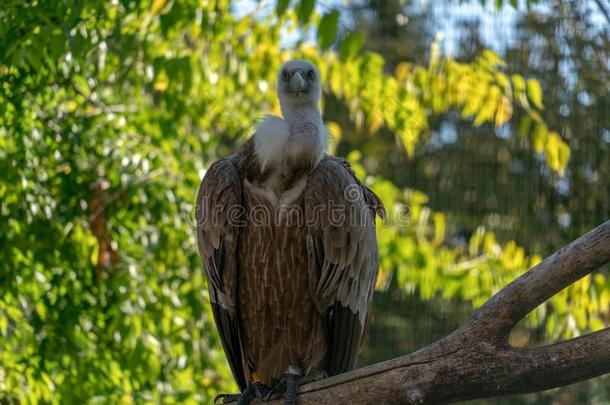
<point x="476" y="360"/>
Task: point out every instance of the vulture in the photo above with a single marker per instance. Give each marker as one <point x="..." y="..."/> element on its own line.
<point x="287" y="237"/>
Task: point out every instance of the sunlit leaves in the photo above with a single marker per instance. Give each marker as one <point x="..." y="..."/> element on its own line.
<point x="487" y="94"/>
<point x="539" y="137"/>
<point x="519" y="87"/>
<point x="351" y="45"/>
<point x="402" y="71"/>
<point x="117" y="118"/>
<point x="534" y="92"/>
<point x="489" y="106"/>
<point x="556" y="150"/>
<point x="504" y="111"/>
<point x="415" y="254"/>
<point x="158" y="6"/>
<point x="334" y="130"/>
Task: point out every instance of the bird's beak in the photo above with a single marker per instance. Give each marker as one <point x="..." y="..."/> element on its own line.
<point x="297" y="83"/>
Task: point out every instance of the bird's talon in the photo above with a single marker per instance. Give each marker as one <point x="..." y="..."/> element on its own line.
<point x="258" y="390"/>
<point x="224" y="398"/>
<point x="288" y="385"/>
<point x="275" y="390"/>
<point x="261" y="391"/>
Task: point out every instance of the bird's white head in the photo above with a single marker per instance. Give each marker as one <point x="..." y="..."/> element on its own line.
<point x="298" y="85"/>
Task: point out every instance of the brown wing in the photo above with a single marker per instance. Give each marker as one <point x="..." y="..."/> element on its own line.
<point x="218" y="212"/>
<point x="344" y="261"/>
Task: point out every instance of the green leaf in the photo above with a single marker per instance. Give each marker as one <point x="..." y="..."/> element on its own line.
<point x="158" y="6"/>
<point x="518" y="83"/>
<point x="57" y="44"/>
<point x="327" y="29"/>
<point x="304" y="10"/>
<point x="525" y="124"/>
<point x="563" y="154"/>
<point x="539" y="137"/>
<point x="78" y="44"/>
<point x="493" y="58"/>
<point x="281" y="7"/>
<point x="534" y="92"/>
<point x="550" y="151"/>
<point x="351" y="45"/>
<point x="489" y="107"/>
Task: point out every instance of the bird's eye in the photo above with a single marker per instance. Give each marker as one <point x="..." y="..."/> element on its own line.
<point x="285" y="75"/>
<point x="311" y="74"/>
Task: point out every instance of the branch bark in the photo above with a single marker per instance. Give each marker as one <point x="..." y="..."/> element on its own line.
<point x="476" y="361"/>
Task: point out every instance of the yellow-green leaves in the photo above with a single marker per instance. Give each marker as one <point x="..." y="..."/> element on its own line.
<point x="539" y="137"/>
<point x="489" y="107"/>
<point x="519" y="88"/>
<point x="491" y="59"/>
<point x="555" y="149"/>
<point x="402" y="71"/>
<point x="327" y="29"/>
<point x="158" y="6"/>
<point x="334" y="130"/>
<point x="557" y="152"/>
<point x="487" y="94"/>
<point x="504" y="111"/>
<point x="439" y="227"/>
<point x="534" y="92"/>
<point x="351" y="45"/>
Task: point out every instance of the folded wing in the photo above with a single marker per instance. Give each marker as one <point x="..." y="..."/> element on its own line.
<point x="218" y="212"/>
<point x="340" y="213"/>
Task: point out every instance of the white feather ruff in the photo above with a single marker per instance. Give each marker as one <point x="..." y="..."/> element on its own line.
<point x="270" y="139"/>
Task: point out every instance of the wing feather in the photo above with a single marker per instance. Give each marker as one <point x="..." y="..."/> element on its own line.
<point x="218" y="215"/>
<point x="340" y="213"/>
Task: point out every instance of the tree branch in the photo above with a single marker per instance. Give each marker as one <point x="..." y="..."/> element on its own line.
<point x="476" y="360"/>
<point x="550" y="276"/>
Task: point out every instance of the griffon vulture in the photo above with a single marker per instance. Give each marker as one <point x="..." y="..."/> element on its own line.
<point x="287" y="237"/>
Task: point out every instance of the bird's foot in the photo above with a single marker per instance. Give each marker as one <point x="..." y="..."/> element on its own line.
<point x="257" y="390"/>
<point x="289" y="386"/>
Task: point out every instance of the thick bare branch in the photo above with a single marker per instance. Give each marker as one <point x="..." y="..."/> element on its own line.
<point x="476" y="361"/>
<point x="500" y="314"/>
<point x="479" y="370"/>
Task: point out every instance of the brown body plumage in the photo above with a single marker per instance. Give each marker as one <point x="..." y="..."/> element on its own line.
<point x="288" y="244"/>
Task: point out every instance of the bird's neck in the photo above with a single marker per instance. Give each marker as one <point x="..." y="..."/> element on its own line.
<point x="301" y="114"/>
<point x="287" y="149"/>
<point x="306" y="142"/>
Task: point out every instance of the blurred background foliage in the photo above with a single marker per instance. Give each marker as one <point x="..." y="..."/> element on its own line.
<point x="490" y="151"/>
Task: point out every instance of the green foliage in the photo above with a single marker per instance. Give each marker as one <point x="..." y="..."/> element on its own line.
<point x="110" y="113"/>
<point x="281" y="7"/>
<point x="351" y="45"/>
<point x="417" y="256"/>
<point x="304" y="10"/>
<point x="327" y="30"/>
